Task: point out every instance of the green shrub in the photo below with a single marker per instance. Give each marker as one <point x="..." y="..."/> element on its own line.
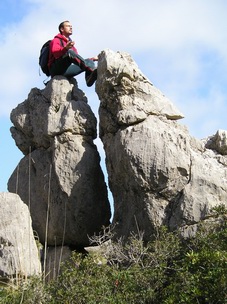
<point x="167" y="270"/>
<point x="27" y="291"/>
<point x="200" y="275"/>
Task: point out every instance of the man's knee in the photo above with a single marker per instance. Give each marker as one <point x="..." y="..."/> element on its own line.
<point x="90" y="64"/>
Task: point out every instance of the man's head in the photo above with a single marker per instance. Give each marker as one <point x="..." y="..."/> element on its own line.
<point x="65" y="28"/>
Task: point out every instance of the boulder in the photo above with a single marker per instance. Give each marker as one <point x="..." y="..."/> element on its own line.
<point x="19" y="256"/>
<point x="60" y="176"/>
<point x="61" y="107"/>
<point x="217" y="142"/>
<point x="127" y="96"/>
<point x="158" y="173"/>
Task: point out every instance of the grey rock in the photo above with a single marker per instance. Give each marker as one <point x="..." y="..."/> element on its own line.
<point x="60" y="107"/>
<point x="157" y="172"/>
<point x="127" y="96"/>
<point x="204" y="226"/>
<point x="60" y="175"/>
<point x="217" y="142"/>
<point x="19" y="254"/>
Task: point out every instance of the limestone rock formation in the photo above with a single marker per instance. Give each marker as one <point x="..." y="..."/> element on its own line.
<point x="19" y="254"/>
<point x="60" y="177"/>
<point x="218" y="142"/>
<point x="158" y="173"/>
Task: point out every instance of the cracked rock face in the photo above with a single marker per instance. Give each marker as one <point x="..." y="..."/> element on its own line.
<point x="158" y="173"/>
<point x="60" y="177"/>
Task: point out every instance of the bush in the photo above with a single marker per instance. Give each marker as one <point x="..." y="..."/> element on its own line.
<point x="28" y="291"/>
<point x="200" y="275"/>
<point x="166" y="270"/>
<point x="90" y="283"/>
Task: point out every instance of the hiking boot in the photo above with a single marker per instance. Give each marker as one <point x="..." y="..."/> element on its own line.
<point x="91" y="77"/>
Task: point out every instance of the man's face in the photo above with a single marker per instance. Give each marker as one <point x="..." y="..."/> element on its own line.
<point x="67" y="29"/>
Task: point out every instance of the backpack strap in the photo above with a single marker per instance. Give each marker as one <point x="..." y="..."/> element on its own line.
<point x="62" y="44"/>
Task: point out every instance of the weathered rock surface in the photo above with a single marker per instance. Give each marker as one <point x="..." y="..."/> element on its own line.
<point x="60" y="176"/>
<point x="127" y="96"/>
<point x="218" y="142"/>
<point x="18" y="251"/>
<point x="157" y="172"/>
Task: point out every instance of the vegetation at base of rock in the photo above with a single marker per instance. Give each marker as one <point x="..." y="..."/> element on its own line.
<point x="166" y="270"/>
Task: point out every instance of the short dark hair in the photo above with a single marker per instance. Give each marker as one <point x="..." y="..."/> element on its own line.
<point x="61" y="25"/>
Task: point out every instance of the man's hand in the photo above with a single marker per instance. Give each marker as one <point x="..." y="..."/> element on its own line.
<point x="69" y="45"/>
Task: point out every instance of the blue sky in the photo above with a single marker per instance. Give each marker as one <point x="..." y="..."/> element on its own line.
<point x="180" y="45"/>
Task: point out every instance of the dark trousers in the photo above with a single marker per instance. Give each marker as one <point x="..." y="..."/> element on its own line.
<point x="71" y="64"/>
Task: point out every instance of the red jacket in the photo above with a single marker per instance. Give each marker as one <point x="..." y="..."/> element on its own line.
<point x="56" y="48"/>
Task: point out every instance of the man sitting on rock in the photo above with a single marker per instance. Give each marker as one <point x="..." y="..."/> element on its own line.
<point x="65" y="60"/>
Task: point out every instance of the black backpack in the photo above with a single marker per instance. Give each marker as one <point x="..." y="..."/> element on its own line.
<point x="44" y="57"/>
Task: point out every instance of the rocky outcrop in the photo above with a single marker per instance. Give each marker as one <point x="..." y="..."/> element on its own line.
<point x="60" y="177"/>
<point x="127" y="96"/>
<point x="158" y="173"/>
<point x="217" y="142"/>
<point x="19" y="256"/>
